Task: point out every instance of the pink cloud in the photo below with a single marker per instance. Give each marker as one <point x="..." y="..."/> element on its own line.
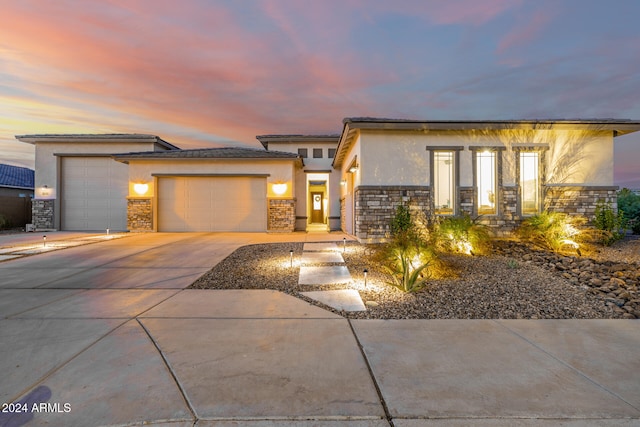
<point x="524" y="33"/>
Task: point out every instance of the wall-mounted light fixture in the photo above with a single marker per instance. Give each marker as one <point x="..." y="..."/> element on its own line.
<point x="141" y="188"/>
<point x="279" y="188"/>
<point x="45" y="191"/>
<point x="343" y="182"/>
<point x="353" y="168"/>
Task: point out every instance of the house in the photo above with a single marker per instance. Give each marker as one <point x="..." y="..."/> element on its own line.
<point x="16" y="192"/>
<point x="499" y="171"/>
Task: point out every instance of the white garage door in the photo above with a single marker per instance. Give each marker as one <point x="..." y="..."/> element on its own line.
<point x="212" y="204"/>
<point x="94" y="194"/>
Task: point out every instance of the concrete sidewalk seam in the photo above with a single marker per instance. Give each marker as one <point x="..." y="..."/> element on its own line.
<point x="79" y="291"/>
<point x="172" y="373"/>
<point x="566" y="364"/>
<point x="52" y="371"/>
<point x="383" y="402"/>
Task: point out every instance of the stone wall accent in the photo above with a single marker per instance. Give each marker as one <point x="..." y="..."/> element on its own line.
<point x="42" y="214"/>
<point x="139" y="214"/>
<point x="578" y="200"/>
<point x="467" y="200"/>
<point x="507" y="220"/>
<point x="376" y="205"/>
<point x="281" y="216"/>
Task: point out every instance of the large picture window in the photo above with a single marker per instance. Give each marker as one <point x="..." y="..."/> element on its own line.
<point x="529" y="183"/>
<point x="444" y="182"/>
<point x="486" y="182"/>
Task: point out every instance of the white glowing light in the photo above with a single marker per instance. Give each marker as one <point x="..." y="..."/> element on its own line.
<point x="140" y="188"/>
<point x="279" y="189"/>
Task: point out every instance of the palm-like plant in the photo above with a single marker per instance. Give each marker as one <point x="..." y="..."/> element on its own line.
<point x="555" y="231"/>
<point x="407" y="267"/>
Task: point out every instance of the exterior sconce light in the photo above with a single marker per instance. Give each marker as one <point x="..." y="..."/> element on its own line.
<point x="365" y="277"/>
<point x="140" y="188"/>
<point x="279" y="188"/>
<point x="291" y="258"/>
<point x="343" y="182"/>
<point x="45" y="190"/>
<point x="353" y="168"/>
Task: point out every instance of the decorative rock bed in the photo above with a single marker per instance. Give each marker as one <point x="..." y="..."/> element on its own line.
<point x="514" y="282"/>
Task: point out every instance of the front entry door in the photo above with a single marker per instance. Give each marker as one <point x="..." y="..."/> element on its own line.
<point x="317" y="209"/>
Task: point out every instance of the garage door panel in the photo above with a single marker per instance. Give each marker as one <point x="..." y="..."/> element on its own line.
<point x="93" y="194"/>
<point x="212" y="204"/>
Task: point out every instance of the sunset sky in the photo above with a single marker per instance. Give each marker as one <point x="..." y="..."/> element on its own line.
<point x="211" y="72"/>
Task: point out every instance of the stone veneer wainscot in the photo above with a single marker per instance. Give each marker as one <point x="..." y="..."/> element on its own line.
<point x="42" y="212"/>
<point x="376" y="205"/>
<point x="282" y="215"/>
<point x="139" y="214"/>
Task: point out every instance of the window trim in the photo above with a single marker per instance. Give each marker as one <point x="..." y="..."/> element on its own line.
<point x="498" y="178"/>
<point x="456" y="177"/>
<point x="541" y="175"/>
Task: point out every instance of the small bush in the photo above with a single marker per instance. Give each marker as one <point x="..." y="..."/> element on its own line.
<point x="401" y="222"/>
<point x="612" y="225"/>
<point x="629" y="203"/>
<point x="461" y="235"/>
<point x="407" y="266"/>
<point x="555" y="231"/>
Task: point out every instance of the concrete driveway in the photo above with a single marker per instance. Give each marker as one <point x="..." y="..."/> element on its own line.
<point x="106" y="334"/>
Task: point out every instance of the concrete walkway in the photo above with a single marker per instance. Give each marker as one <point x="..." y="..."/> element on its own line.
<point x="105" y="334"/>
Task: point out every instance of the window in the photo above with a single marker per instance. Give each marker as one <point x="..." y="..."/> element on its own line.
<point x="486" y="182"/>
<point x="444" y="182"/>
<point x="302" y="152"/>
<point x="332" y="153"/>
<point x="529" y="183"/>
<point x="317" y="153"/>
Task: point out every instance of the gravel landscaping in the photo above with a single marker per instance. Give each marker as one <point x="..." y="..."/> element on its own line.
<point x="514" y="282"/>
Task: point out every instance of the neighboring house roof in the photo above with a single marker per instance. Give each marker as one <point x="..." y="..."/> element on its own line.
<point x="96" y="137"/>
<point x="351" y="126"/>
<point x="209" y="153"/>
<point x="16" y="177"/>
<point x="296" y="139"/>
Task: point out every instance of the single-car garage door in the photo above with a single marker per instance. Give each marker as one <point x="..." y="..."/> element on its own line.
<point x="94" y="194"/>
<point x="212" y="203"/>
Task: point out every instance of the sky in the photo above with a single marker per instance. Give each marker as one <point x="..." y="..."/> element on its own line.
<point x="207" y="73"/>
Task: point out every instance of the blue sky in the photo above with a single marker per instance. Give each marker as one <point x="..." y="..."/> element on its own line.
<point x="211" y="73"/>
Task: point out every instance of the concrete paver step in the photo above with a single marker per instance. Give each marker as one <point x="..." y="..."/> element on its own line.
<point x="321" y="258"/>
<point x="324" y="275"/>
<point x="340" y="299"/>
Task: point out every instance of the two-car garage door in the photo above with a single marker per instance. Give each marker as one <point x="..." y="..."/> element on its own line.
<point x="212" y="203"/>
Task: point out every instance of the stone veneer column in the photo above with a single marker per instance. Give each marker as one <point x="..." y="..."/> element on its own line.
<point x="282" y="215"/>
<point x="139" y="214"/>
<point x="578" y="200"/>
<point x="42" y="212"/>
<point x="467" y="200"/>
<point x="376" y="205"/>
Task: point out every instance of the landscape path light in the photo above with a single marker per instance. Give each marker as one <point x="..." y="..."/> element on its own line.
<point x="365" y="277"/>
<point x="291" y="257"/>
<point x="344" y="244"/>
<point x="44" y="241"/>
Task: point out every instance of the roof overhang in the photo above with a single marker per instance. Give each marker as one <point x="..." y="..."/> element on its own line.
<point x="353" y="126"/>
<point x="96" y="138"/>
<point x="296" y="139"/>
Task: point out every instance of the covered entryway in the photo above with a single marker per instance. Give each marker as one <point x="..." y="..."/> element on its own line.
<point x="212" y="203"/>
<point x="93" y="194"/>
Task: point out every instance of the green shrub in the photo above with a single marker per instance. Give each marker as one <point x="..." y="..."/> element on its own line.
<point x="401" y="222"/>
<point x="407" y="265"/>
<point x="555" y="231"/>
<point x="461" y="235"/>
<point x="629" y="203"/>
<point x="612" y="225"/>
